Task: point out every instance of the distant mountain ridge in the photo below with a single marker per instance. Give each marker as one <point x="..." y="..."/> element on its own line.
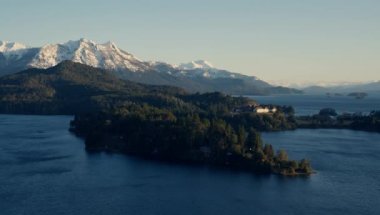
<point x="197" y="75"/>
<point x="371" y="87"/>
<point x="198" y="64"/>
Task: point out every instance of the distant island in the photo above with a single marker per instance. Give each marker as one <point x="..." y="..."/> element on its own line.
<point x="358" y="95"/>
<point x="329" y="118"/>
<point x="334" y="94"/>
<point x="156" y="122"/>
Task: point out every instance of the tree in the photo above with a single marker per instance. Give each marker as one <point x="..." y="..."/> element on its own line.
<point x="282" y="155"/>
<point x="242" y="135"/>
<point x="289" y="110"/>
<point x="304" y="166"/>
<point x="293" y="164"/>
<point x="328" y="112"/>
<point x="253" y="142"/>
<point x="268" y="151"/>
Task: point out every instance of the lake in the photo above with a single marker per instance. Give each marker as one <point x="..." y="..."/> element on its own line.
<point x="44" y="169"/>
<point x="311" y="104"/>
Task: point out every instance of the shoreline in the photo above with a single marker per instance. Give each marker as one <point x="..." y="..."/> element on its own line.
<point x="226" y="166"/>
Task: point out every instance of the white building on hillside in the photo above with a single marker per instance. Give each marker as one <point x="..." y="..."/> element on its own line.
<point x="260" y="109"/>
<point x="264" y="109"/>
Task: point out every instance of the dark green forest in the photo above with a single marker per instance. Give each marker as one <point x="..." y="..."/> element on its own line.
<point x="156" y="122"/>
<point x="199" y="136"/>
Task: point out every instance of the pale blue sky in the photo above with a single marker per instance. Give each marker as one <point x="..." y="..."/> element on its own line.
<point x="288" y="40"/>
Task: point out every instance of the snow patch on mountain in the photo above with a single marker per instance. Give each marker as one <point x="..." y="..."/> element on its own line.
<point x="205" y="69"/>
<point x="198" y="64"/>
<point x="12" y="49"/>
<point x="6" y="46"/>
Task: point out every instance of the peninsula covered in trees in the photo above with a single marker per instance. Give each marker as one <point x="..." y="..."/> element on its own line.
<point x="157" y="122"/>
<point x="199" y="136"/>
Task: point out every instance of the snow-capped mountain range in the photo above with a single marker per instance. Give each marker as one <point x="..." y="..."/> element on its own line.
<point x="107" y="56"/>
<point x="196" y="75"/>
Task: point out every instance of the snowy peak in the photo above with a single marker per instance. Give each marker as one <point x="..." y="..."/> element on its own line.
<point x="202" y="68"/>
<point x="106" y="56"/>
<point x="11" y="46"/>
<point x="198" y="64"/>
<point x="12" y="50"/>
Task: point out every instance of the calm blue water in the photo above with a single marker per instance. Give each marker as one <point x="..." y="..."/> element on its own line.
<point x="45" y="170"/>
<point x="311" y="104"/>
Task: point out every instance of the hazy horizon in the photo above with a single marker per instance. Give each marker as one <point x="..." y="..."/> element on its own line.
<point x="277" y="41"/>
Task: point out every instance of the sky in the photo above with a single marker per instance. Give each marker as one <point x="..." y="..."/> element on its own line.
<point x="287" y="41"/>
